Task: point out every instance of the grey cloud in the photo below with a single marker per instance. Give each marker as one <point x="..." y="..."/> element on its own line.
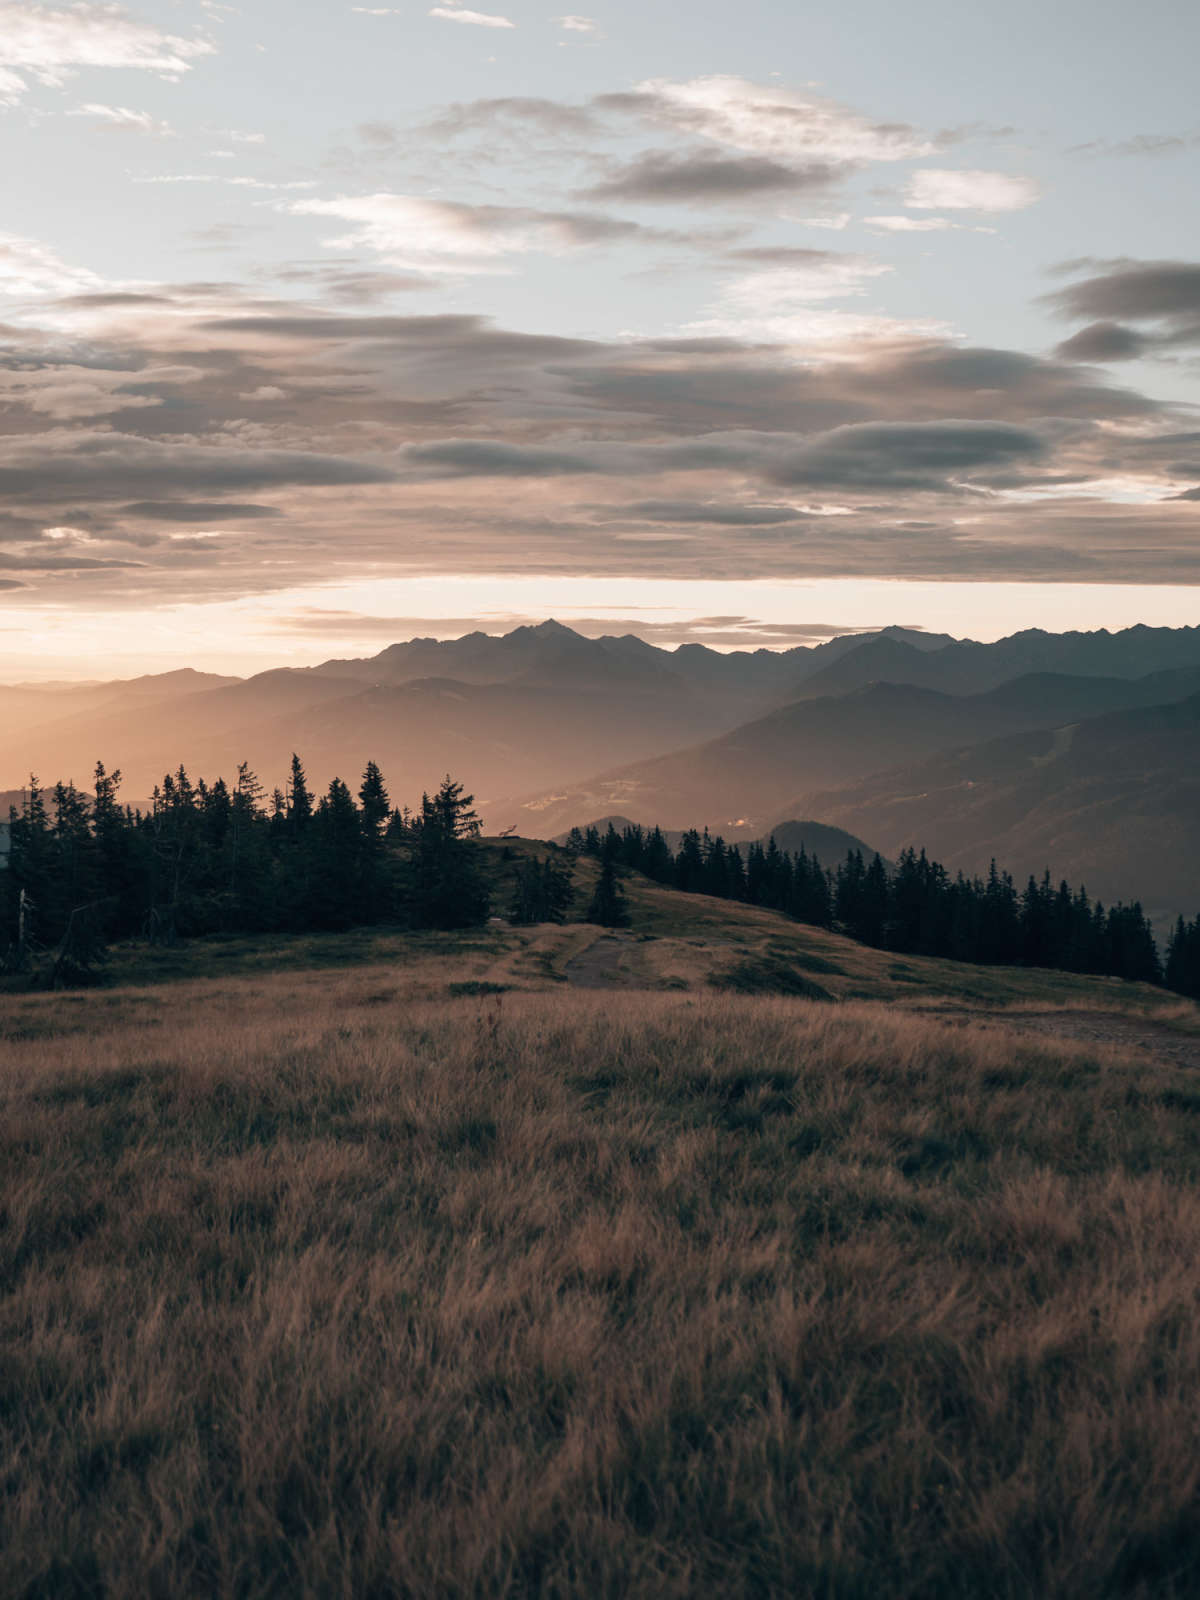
<point x="200" y="511"/>
<point x="34" y="561"/>
<point x="544" y="116"/>
<point x="1141" y="144"/>
<point x="1135" y="289"/>
<point x="448" y="332"/>
<point x="922" y="456"/>
<point x="1103" y="341"/>
<point x="115" y="464"/>
<point x="741" y="387"/>
<point x="729" y="515"/>
<point x="353" y="287"/>
<point x="489" y="458"/>
<point x="770" y="255"/>
<point x="698" y="177"/>
<point x="703" y="437"/>
<point x="110" y="300"/>
<point x="907" y="455"/>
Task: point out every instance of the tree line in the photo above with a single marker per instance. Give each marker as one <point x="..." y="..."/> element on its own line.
<point x="83" y="869"/>
<point x="200" y="859"/>
<point x="915" y="907"/>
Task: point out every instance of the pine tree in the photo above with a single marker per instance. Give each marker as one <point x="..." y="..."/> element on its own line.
<point x="450" y="888"/>
<point x="1183" y="959"/>
<point x="30" y="880"/>
<point x="541" y="891"/>
<point x="376" y="806"/>
<point x="337" y="888"/>
<point x="607" y="906"/>
<point x="299" y="799"/>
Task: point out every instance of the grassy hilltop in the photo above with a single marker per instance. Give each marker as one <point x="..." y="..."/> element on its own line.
<point x="402" y="1265"/>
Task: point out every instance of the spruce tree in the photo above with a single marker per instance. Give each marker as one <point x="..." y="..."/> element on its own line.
<point x="450" y="890"/>
<point x="376" y="806"/>
<point x="607" y="906"/>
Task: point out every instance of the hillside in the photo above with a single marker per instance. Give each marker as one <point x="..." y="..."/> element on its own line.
<point x="1111" y="802"/>
<point x="745" y="779"/>
<point x="418" y="1269"/>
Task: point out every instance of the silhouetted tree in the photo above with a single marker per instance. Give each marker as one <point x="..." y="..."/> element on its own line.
<point x="450" y="890"/>
<point x="607" y="906"/>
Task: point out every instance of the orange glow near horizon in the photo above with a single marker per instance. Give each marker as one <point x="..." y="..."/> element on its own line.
<point x="304" y="626"/>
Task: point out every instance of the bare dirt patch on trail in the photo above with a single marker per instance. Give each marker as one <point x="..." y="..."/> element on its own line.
<point x="603" y="965"/>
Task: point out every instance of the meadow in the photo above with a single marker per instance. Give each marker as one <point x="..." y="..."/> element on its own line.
<point x="427" y="1274"/>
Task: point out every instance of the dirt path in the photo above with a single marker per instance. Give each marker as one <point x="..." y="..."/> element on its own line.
<point x="602" y="964"/>
<point x="1137" y="1036"/>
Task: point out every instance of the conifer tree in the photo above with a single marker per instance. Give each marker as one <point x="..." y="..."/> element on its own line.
<point x="607" y="906"/>
<point x="450" y="890"/>
<point x="376" y="806"/>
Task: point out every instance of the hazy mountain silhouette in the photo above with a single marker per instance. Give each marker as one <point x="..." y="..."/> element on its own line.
<point x="536" y="711"/>
<point x="1112" y="802"/>
<point x="537" y="705"/>
<point x="963" y="666"/>
<point x="829" y="844"/>
<point x="28" y="707"/>
<point x="742" y="780"/>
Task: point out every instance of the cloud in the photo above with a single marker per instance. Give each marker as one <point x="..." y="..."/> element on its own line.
<point x="1104" y="341"/>
<point x="116" y="465"/>
<point x="700" y="178"/>
<point x="490" y="458"/>
<point x="49" y="45"/>
<point x="121" y="118"/>
<point x="28" y="267"/>
<point x="573" y="24"/>
<point x="412" y="231"/>
<point x="746" y="631"/>
<point x="920" y="225"/>
<point x="350" y="286"/>
<point x="710" y="453"/>
<point x="936" y="189"/>
<point x="542" y="115"/>
<point x="836" y="222"/>
<point x="1134" y="289"/>
<point x="200" y="511"/>
<point x="478" y="19"/>
<point x="67" y="393"/>
<point x="767" y="120"/>
<point x="1141" y="144"/>
<point x="924" y="455"/>
<point x="728" y="514"/>
<point x="932" y="457"/>
<point x="1163" y="294"/>
<point x="788" y="255"/>
<point x="789" y="303"/>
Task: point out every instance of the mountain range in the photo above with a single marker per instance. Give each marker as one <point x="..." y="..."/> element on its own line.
<point x="1080" y="751"/>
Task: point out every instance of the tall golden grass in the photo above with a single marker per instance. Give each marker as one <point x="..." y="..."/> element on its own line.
<point x="307" y="1290"/>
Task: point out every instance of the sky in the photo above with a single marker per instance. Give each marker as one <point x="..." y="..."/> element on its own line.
<point x="325" y="325"/>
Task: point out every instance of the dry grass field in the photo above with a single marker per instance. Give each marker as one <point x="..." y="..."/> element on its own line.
<point x="429" y="1275"/>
